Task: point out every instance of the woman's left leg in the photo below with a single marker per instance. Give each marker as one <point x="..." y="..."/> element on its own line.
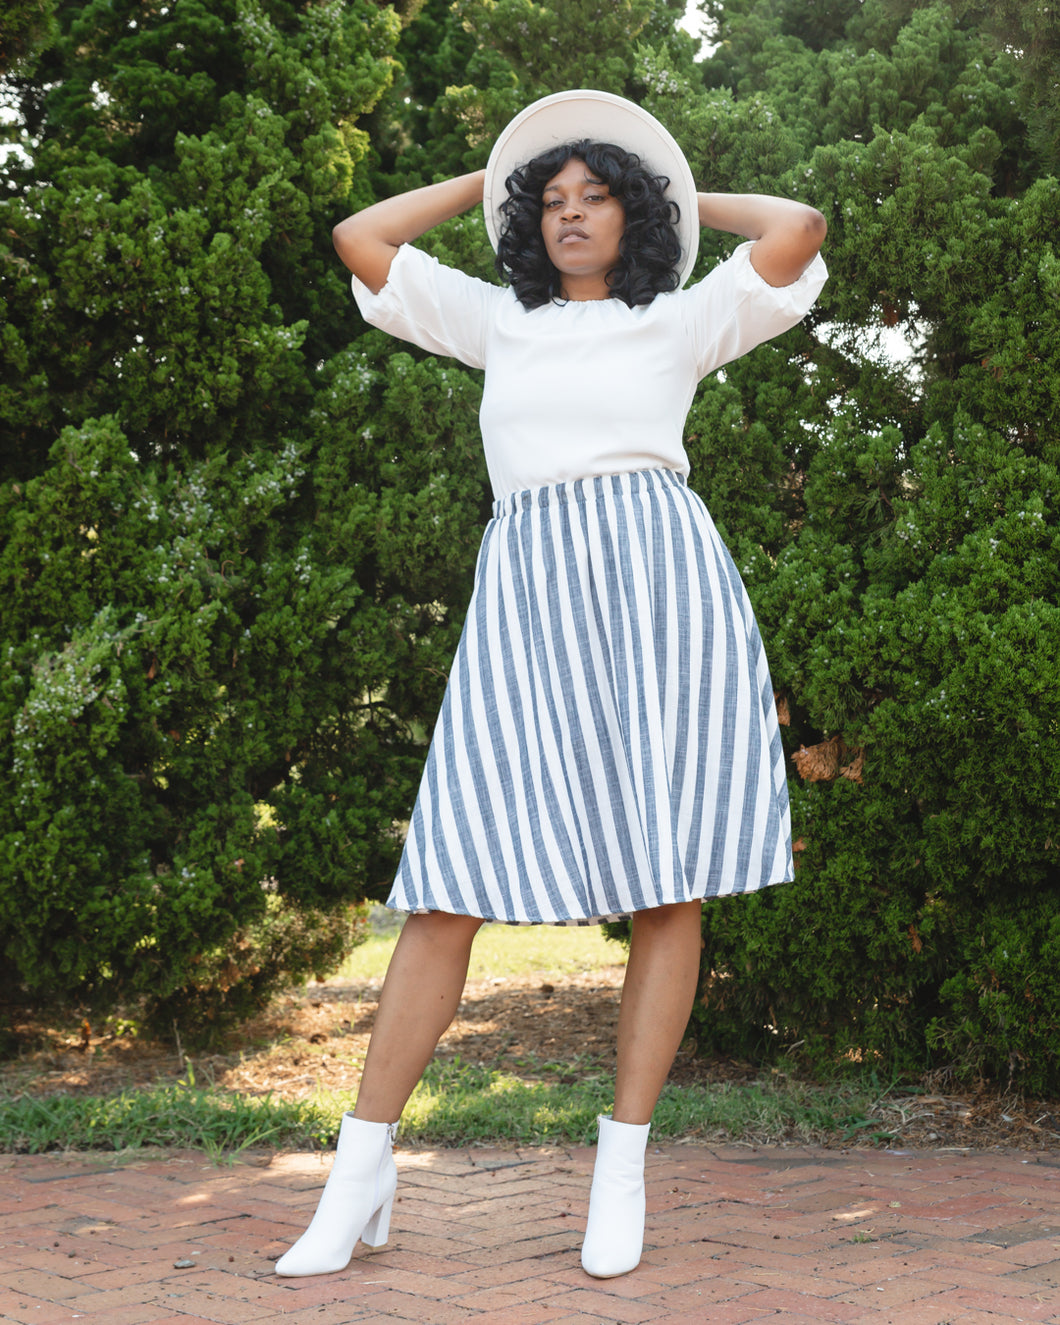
<point x="661" y="980"/>
<point x="662" y="976"/>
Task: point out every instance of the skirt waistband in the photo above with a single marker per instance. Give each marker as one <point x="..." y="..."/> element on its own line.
<point x="592" y="488"/>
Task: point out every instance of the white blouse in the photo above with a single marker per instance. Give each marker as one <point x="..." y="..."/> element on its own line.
<point x="579" y="389"/>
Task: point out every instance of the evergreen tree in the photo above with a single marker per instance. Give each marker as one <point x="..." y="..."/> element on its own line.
<point x="905" y="564"/>
<point x="224" y="591"/>
<point x="28" y="27"/>
<point x="239" y="527"/>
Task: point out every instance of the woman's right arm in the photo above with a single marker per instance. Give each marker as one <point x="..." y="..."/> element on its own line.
<point x="368" y="240"/>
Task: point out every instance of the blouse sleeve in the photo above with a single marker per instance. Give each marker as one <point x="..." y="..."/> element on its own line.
<point x="435" y="307"/>
<point x="733" y="309"/>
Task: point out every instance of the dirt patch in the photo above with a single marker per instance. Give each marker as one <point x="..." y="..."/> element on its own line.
<point x="525" y="1025"/>
<point x="318" y="1037"/>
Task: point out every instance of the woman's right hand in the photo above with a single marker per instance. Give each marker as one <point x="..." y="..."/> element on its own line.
<point x="367" y="241"/>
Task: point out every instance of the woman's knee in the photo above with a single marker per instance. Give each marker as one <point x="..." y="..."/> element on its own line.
<point x="677" y="916"/>
<point x="443" y="926"/>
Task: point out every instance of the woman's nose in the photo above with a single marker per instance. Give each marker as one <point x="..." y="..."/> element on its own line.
<point x="570" y="210"/>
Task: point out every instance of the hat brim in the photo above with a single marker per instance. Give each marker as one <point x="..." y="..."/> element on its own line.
<point x="605" y="118"/>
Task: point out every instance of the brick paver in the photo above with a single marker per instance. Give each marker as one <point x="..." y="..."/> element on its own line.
<point x="734" y="1234"/>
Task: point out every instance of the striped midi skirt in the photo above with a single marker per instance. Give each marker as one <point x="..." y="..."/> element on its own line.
<point x="608" y="740"/>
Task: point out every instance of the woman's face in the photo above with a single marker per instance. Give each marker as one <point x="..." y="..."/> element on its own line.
<point x="582" y="226"/>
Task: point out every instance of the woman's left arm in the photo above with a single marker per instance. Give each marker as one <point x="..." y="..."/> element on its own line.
<point x="787" y="234"/>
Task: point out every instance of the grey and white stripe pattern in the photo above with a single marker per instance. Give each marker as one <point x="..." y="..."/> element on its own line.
<point x="608" y="740"/>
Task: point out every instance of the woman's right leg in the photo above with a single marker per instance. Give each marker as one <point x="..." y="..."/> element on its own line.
<point x="420" y="996"/>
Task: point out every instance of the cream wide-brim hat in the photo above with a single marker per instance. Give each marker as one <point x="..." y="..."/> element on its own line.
<point x="604" y="118"/>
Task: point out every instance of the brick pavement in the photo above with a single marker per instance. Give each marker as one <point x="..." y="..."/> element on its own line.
<point x="734" y="1235"/>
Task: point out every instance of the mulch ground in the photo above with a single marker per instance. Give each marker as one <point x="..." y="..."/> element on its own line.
<point x="527" y="1026"/>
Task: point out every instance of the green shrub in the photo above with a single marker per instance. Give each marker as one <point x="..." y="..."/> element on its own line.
<point x="239" y="528"/>
<point x="223" y="610"/>
<point x="899" y="535"/>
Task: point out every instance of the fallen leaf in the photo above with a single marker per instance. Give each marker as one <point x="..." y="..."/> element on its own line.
<point x="818" y="763"/>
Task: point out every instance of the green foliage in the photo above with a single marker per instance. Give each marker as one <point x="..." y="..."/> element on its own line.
<point x="225" y="602"/>
<point x="898" y="531"/>
<point x="1028" y="35"/>
<point x="29" y="26"/>
<point x="239" y="528"/>
<point x="526" y="50"/>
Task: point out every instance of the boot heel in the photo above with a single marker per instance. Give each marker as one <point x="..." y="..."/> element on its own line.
<point x="377" y="1230"/>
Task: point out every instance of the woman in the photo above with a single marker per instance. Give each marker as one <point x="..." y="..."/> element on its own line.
<point x="607" y="745"/>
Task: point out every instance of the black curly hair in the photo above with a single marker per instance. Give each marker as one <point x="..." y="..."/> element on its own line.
<point x="649" y="251"/>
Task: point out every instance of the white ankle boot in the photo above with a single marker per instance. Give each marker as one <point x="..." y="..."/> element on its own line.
<point x="355" y="1202"/>
<point x="614" y="1235"/>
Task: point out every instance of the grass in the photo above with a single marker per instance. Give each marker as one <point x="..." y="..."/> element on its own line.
<point x="505" y="950"/>
<point x="457" y="1103"/>
<point x="181" y="1116"/>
